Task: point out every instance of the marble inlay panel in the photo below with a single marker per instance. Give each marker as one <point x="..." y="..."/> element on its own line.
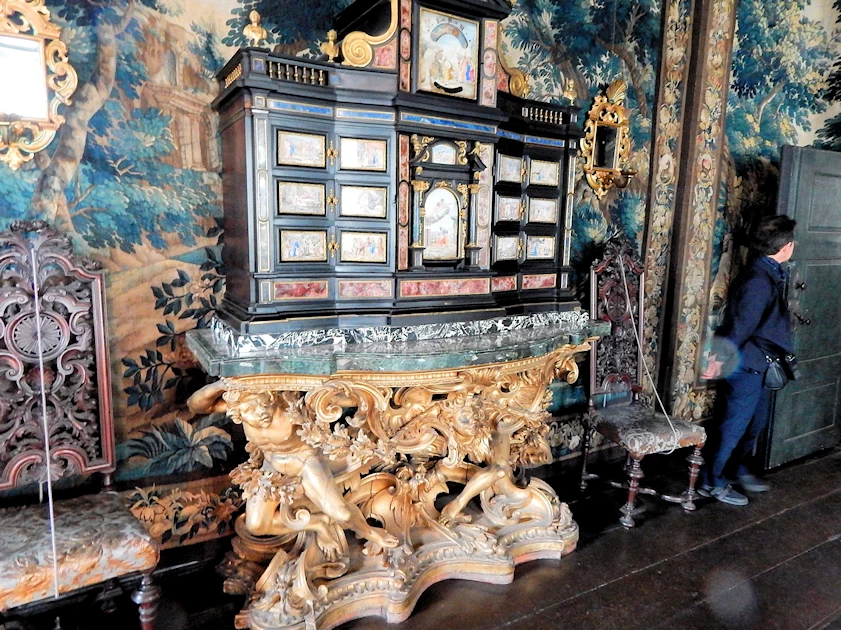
<point x="248" y="345"/>
<point x="225" y="353"/>
<point x="435" y="288"/>
<point x="539" y="281"/>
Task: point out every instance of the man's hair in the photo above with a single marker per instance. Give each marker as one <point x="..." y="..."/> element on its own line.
<point x="772" y="234"/>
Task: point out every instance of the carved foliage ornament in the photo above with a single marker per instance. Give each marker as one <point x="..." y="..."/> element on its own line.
<point x="606" y="145"/>
<point x="26" y="32"/>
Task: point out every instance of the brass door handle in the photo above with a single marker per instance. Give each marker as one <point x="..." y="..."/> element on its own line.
<point x="800" y="286"/>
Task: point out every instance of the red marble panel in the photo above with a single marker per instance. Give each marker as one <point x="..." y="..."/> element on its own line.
<point x="386" y="56"/>
<point x="403" y="249"/>
<point x="403" y="203"/>
<point x="540" y="281"/>
<point x="404" y="158"/>
<point x="433" y="288"/>
<point x="365" y="289"/>
<point x="490" y="33"/>
<point x="301" y="289"/>
<point x="501" y="79"/>
<point x="489" y="63"/>
<point x="404" y="76"/>
<point x="405" y="45"/>
<point x="504" y="283"/>
<point x="406" y="13"/>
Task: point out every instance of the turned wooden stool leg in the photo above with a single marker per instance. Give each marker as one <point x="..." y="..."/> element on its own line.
<point x="695" y="462"/>
<point x="588" y="437"/>
<point x="634" y="475"/>
<point x="147" y="598"/>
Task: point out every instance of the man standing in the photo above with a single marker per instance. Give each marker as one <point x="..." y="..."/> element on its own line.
<point x="756" y="328"/>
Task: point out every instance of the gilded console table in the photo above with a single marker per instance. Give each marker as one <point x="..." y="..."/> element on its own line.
<point x="392" y="436"/>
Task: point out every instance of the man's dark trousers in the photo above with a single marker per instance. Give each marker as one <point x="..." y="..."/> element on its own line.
<point x="745" y="414"/>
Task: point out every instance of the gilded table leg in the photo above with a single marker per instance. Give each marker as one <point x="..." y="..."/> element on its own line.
<point x="370" y="453"/>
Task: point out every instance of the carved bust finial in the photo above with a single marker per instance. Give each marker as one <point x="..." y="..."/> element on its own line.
<point x="253" y="31"/>
<point x="569" y="92"/>
<point x="329" y="47"/>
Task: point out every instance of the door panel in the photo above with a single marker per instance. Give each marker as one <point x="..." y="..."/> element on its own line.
<point x="805" y="415"/>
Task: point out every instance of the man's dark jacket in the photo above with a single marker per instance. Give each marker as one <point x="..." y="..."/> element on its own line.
<point x="757" y="321"/>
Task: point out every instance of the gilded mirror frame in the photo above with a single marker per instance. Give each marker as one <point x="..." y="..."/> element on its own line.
<point x="608" y="111"/>
<point x="22" y="136"/>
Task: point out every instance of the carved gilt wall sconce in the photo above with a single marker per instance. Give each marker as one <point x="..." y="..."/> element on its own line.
<point x="606" y="144"/>
<point x="35" y="77"/>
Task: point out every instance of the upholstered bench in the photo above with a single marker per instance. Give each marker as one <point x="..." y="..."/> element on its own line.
<point x="97" y="540"/>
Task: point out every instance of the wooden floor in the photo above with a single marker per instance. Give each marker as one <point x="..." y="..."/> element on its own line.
<point x="775" y="563"/>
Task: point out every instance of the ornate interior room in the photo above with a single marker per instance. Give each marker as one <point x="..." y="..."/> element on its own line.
<point x="368" y="313"/>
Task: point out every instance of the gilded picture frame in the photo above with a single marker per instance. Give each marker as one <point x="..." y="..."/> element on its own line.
<point x="303" y="246"/>
<point x="544" y="173"/>
<point x="37" y="79"/>
<point x="363" y="247"/>
<point x="448" y="54"/>
<point x="301" y="198"/>
<point x="540" y="247"/>
<point x="363" y="154"/>
<point x="543" y="210"/>
<point x="301" y="149"/>
<point x="369" y="202"/>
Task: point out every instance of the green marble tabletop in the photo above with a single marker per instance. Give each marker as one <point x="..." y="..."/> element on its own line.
<point x="221" y="360"/>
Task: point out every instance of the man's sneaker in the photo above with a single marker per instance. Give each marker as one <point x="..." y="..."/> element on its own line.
<point x="728" y="495"/>
<point x="752" y="483"/>
<point x="705" y="490"/>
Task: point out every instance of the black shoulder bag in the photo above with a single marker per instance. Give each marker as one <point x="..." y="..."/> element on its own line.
<point x="782" y="368"/>
<point x="775" y="376"/>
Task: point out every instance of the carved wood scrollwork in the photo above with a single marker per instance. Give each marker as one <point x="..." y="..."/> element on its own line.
<point x="617" y="358"/>
<point x="75" y="365"/>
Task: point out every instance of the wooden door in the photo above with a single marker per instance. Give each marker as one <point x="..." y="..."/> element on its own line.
<point x="805" y="415"/>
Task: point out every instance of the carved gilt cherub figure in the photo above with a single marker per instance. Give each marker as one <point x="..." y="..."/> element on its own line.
<point x="485" y="440"/>
<point x="271" y="421"/>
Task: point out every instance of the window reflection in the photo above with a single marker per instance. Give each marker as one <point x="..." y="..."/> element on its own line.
<point x="23" y="78"/>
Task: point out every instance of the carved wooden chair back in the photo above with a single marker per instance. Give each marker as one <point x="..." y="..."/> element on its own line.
<point x="615" y="360"/>
<point x="54" y="373"/>
<point x="41" y="278"/>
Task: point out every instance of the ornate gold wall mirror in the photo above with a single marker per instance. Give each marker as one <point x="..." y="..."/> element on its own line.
<point x="35" y="78"/>
<point x="606" y="144"/>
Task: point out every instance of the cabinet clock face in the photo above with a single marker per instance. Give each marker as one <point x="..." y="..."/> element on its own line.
<point x="448" y="54"/>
